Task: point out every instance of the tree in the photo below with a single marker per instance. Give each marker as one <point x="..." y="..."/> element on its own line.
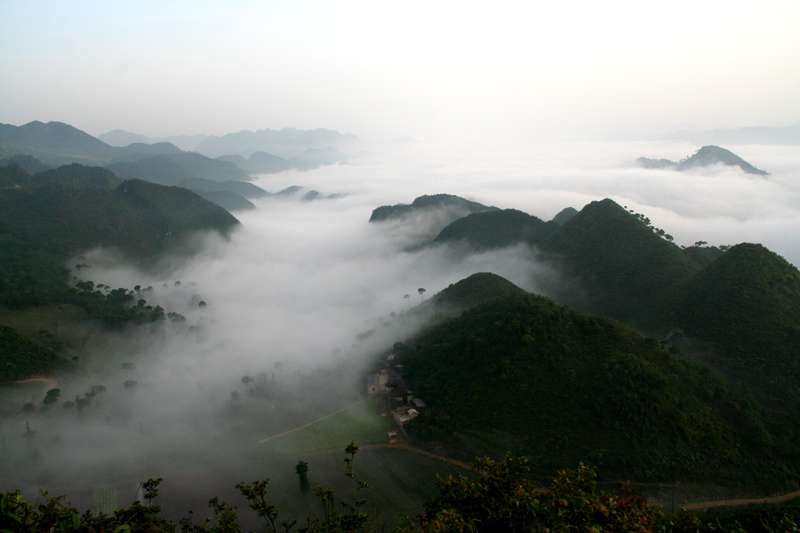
<point x="421" y="292"/>
<point x="302" y="472"/>
<point x="503" y="499"/>
<point x="29" y="434"/>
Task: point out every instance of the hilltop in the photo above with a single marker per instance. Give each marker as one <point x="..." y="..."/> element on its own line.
<point x="704" y="157"/>
<point x="48" y="217"/>
<point x="623" y="267"/>
<point x="735" y="309"/>
<point x="494" y="229"/>
<point x="455" y="205"/>
<point x="746" y="303"/>
<point x="524" y="374"/>
<point x="467" y="293"/>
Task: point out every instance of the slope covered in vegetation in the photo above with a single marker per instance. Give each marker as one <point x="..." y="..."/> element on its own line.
<point x="625" y="267"/>
<point x="427" y="202"/>
<point x="747" y="302"/>
<point x="524" y="374"/>
<point x="474" y="290"/>
<point x="494" y="229"/>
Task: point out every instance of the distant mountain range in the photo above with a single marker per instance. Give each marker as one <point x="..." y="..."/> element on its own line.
<point x="264" y="163"/>
<point x="704" y="157"/>
<point x="37" y="146"/>
<point x="787" y="135"/>
<point x="121" y="138"/>
<point x="284" y="144"/>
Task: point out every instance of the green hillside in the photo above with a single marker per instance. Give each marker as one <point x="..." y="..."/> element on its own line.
<point x="157" y="169"/>
<point x="624" y="268"/>
<point x="474" y="290"/>
<point x="28" y="162"/>
<point x="54" y="143"/>
<point x="747" y="303"/>
<point x="22" y="355"/>
<point x="137" y="217"/>
<point x="432" y="201"/>
<point x="230" y="201"/>
<point x="526" y="375"/>
<point x="78" y="177"/>
<point x="192" y="163"/>
<point x="40" y="227"/>
<point x="494" y="229"/>
<point x="165" y="171"/>
<point x="565" y="215"/>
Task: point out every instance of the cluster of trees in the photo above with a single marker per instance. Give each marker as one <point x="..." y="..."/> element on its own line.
<point x="494" y="496"/>
<point x="646" y="221"/>
<point x="118" y="306"/>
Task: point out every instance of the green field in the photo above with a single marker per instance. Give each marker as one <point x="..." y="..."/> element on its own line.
<point x="361" y="422"/>
<point x="400" y="481"/>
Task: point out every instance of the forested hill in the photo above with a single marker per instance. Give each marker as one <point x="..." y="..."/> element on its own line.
<point x="704" y="157"/>
<point x="41" y="226"/>
<point x="495" y="229"/>
<point x="56" y="144"/>
<point x="524" y="374"/>
<point x="747" y="304"/>
<point x="459" y="206"/>
<point x="78" y="177"/>
<point x="474" y="290"/>
<point x="624" y="266"/>
<point x="137" y="217"/>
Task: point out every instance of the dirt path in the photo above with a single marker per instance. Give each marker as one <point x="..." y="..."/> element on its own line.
<point x="729" y="503"/>
<point x="402" y="444"/>
<point x="50" y="381"/>
<point x="408" y="447"/>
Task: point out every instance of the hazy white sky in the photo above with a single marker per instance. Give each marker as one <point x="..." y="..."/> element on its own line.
<point x="387" y="69"/>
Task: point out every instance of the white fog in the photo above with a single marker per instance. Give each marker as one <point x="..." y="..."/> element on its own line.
<point x="289" y="293"/>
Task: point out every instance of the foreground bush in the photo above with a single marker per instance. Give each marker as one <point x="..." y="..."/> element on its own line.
<point x="498" y="498"/>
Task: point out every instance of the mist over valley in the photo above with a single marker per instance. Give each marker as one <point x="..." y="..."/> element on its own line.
<point x="277" y="321"/>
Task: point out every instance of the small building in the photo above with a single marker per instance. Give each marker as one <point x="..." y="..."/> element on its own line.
<point x="392" y="436"/>
<point x="402" y="416"/>
<point x="377" y="382"/>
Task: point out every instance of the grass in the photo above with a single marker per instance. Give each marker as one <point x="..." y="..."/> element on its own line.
<point x="400" y="481"/>
<point x="361" y="422"/>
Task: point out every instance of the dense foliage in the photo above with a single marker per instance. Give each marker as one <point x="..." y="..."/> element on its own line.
<point x="46" y="218"/>
<point x="524" y="374"/>
<point x="747" y="302"/>
<point x="474" y="290"/>
<point x="624" y="269"/>
<point x="495" y="229"/>
<point x="22" y="355"/>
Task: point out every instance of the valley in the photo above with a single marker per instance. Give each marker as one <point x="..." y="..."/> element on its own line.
<point x="206" y="349"/>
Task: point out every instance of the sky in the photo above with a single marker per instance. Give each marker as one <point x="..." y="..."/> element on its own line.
<point x="298" y="282"/>
<point x="524" y="71"/>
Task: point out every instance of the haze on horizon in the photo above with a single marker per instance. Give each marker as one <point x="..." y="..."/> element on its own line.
<point x="509" y="73"/>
